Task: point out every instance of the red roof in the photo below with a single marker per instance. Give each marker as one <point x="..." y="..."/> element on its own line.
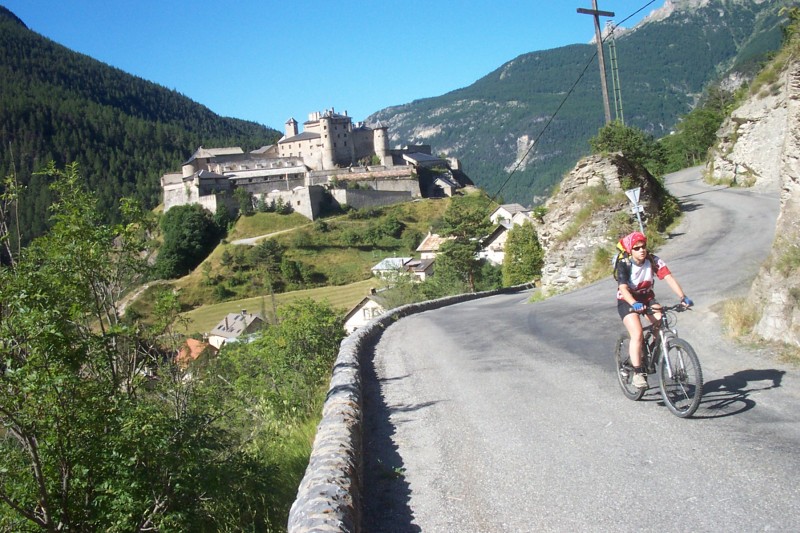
<point x="191" y="350"/>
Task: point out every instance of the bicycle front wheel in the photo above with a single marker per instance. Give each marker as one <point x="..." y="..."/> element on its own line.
<point x="682" y="382"/>
<point x="624" y="369"/>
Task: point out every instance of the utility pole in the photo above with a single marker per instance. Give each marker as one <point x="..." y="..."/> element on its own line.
<point x="615" y="85"/>
<point x="600" y="55"/>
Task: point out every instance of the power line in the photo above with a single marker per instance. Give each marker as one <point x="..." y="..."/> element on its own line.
<point x="560" y="105"/>
<point x="617" y="87"/>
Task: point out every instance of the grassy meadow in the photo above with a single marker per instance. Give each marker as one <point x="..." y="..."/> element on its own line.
<point x="334" y="256"/>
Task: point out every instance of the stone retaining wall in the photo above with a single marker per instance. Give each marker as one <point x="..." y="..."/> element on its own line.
<point x="329" y="496"/>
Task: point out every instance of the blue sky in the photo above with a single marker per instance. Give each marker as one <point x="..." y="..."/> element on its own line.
<point x="267" y="61"/>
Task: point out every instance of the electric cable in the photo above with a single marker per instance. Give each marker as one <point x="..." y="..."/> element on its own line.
<point x="560" y="105"/>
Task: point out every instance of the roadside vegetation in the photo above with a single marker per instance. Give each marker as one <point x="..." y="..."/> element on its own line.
<point x="739" y="319"/>
<point x="103" y="431"/>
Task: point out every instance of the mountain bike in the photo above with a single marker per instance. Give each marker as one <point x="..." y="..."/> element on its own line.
<point x="679" y="374"/>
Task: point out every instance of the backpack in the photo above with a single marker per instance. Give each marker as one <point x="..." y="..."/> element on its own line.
<point x="622" y="255"/>
<point x="619" y="255"/>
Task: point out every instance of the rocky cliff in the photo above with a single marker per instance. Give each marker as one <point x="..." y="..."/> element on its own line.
<point x="587" y="215"/>
<point x="760" y="145"/>
<point x="776" y="150"/>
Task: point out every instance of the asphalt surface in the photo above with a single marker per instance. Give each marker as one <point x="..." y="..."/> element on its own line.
<point x="503" y="415"/>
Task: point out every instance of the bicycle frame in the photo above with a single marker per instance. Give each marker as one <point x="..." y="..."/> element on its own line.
<point x="664" y="334"/>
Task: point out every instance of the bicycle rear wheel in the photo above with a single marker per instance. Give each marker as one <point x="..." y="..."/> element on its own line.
<point x="683" y="391"/>
<point x="624" y="370"/>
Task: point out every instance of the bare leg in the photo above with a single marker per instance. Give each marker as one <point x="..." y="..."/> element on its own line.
<point x="634" y="327"/>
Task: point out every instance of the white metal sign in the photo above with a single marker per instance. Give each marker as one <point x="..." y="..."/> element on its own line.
<point x="633" y="195"/>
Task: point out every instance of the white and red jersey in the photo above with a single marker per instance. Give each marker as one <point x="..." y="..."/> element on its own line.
<point x="640" y="278"/>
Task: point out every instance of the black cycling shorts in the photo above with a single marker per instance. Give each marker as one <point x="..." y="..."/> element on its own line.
<point x="624" y="308"/>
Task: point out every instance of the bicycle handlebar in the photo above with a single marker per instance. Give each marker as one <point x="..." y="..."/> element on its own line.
<point x="678" y="307"/>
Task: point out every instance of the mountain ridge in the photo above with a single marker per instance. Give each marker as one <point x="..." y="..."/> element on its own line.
<point x="662" y="77"/>
<point x="122" y="130"/>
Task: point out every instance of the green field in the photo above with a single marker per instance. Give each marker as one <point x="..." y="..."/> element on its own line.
<point x="322" y="246"/>
<point x="204" y="318"/>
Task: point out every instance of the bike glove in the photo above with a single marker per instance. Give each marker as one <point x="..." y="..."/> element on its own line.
<point x="638" y="307"/>
<point x="687" y="301"/>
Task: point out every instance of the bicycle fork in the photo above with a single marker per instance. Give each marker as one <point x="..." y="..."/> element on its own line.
<point x="666" y="336"/>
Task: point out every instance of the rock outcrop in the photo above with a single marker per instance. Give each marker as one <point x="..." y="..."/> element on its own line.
<point x="777" y="287"/>
<point x="750" y="143"/>
<point x="759" y="145"/>
<point x="589" y="213"/>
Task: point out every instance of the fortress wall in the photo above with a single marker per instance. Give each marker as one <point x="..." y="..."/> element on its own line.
<point x="305" y="200"/>
<point x="361" y="198"/>
<point x="363" y="143"/>
<point x="176" y="194"/>
<point x="268" y="186"/>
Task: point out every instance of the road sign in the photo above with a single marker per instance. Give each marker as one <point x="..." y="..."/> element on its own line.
<point x="637" y="209"/>
<point x="633" y="195"/>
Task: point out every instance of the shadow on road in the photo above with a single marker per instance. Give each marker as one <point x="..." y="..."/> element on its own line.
<point x="704" y="192"/>
<point x="385" y="492"/>
<point x="731" y="395"/>
<point x="690" y="206"/>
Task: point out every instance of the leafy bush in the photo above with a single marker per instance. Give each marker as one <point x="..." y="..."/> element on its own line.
<point x="637" y="146"/>
<point x="524" y="256"/>
<point x="190" y="234"/>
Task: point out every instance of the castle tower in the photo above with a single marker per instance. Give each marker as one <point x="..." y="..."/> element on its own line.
<point x="291" y="128"/>
<point x="326" y="135"/>
<point x="189" y="169"/>
<point x="381" y="140"/>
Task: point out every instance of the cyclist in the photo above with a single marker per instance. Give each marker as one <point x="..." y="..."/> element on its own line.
<point x="635" y="274"/>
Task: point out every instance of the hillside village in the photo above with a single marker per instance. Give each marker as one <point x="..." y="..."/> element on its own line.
<point x="241" y="325"/>
<point x="331" y="163"/>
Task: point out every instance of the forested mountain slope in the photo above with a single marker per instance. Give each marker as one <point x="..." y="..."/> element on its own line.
<point x="664" y="65"/>
<point x="123" y="131"/>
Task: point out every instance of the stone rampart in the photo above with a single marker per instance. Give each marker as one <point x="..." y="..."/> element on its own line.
<point x="360" y="198"/>
<point x="329" y="496"/>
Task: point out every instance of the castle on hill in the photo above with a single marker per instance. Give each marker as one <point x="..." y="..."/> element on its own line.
<point x="331" y="161"/>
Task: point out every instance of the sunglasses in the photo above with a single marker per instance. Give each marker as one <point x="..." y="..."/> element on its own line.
<point x="640" y="247"/>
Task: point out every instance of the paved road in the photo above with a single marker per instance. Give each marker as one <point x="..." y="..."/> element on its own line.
<point x="502" y="415"/>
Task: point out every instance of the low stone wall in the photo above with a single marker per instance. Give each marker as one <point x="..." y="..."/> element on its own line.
<point x="360" y="198"/>
<point x="329" y="496"/>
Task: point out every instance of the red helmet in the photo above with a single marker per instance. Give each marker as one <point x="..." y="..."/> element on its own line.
<point x="629" y="241"/>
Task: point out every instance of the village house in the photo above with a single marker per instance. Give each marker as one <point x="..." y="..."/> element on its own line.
<point x="390" y="268"/>
<point x="234" y="326"/>
<point x="430" y="245"/>
<point x="193" y="350"/>
<point x="420" y="269"/>
<point x="370" y="307"/>
<point x="507" y="212"/>
<point x="493" y="245"/>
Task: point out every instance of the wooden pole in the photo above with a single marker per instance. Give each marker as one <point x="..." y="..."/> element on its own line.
<point x="600" y="54"/>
